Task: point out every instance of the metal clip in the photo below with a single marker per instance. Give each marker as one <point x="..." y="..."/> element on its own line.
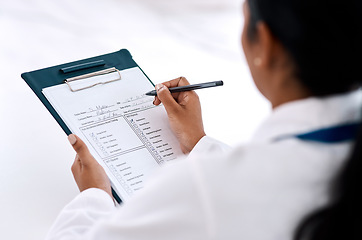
<point x="88" y="75"/>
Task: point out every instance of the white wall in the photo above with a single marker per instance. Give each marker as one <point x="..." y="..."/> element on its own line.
<point x="199" y="39"/>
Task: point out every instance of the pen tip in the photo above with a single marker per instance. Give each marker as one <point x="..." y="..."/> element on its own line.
<point x="151" y="93"/>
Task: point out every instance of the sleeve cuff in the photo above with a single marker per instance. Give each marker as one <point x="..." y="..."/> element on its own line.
<point x="81" y="213"/>
<point x="208" y="145"/>
<point x="92" y="198"/>
<point x="99" y="195"/>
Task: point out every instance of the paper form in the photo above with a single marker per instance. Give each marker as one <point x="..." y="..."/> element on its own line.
<point x="124" y="131"/>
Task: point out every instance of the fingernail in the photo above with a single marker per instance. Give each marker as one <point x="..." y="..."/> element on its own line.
<point x="72" y="139"/>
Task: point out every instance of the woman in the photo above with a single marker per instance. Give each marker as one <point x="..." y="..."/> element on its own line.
<point x="303" y="56"/>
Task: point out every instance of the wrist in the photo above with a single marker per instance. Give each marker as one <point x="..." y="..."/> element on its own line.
<point x="193" y="142"/>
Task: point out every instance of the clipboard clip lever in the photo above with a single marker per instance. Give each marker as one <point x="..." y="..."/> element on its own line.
<point x="93" y="74"/>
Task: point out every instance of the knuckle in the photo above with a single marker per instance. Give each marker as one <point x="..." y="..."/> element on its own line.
<point x="184" y="81"/>
<point x="168" y="83"/>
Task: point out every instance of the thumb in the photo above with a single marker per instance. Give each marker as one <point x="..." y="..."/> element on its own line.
<point x="82" y="150"/>
<point x="166" y="98"/>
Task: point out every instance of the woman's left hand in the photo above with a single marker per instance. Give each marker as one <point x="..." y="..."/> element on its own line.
<point x="87" y="172"/>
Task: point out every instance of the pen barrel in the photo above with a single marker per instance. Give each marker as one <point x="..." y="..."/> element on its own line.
<point x="189" y="87"/>
<point x="196" y="86"/>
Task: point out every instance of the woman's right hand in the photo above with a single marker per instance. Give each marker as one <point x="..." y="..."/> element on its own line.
<point x="184" y="112"/>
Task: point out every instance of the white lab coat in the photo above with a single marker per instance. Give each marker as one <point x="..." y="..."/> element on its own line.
<point x="261" y="190"/>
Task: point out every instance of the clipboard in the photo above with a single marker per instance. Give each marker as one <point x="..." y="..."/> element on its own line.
<point x="65" y="73"/>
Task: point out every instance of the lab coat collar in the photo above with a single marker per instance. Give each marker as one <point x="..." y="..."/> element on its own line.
<point x="310" y="114"/>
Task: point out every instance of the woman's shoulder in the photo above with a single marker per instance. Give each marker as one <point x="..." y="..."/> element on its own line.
<point x="287" y="159"/>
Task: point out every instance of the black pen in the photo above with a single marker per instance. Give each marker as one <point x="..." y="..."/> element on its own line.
<point x="189" y="87"/>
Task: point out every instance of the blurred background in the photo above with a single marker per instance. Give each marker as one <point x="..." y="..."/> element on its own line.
<point x="198" y="39"/>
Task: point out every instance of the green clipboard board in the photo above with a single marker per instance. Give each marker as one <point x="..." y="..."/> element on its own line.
<point x="47" y="77"/>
